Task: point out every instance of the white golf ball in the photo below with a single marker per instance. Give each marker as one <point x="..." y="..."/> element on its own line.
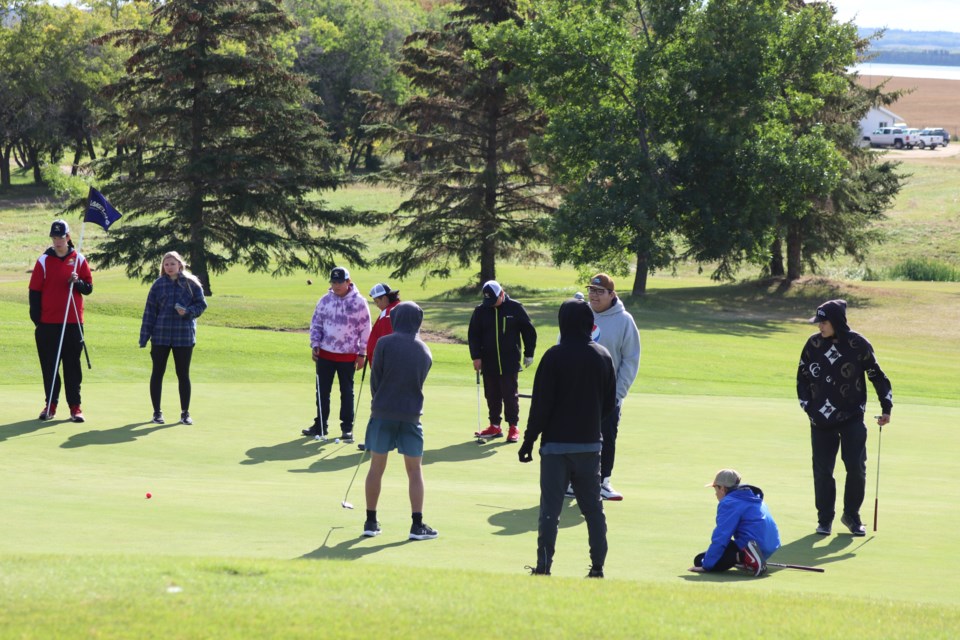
<point x="336" y="441"/>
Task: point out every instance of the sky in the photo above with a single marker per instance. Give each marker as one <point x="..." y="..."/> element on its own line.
<point x="917" y="15"/>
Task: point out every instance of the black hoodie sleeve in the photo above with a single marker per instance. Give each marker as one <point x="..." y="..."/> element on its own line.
<point x="35" y="306"/>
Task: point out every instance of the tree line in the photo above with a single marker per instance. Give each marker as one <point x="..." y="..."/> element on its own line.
<point x="615" y="134"/>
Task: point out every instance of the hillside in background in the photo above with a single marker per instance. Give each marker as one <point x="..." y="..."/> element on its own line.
<point x="898" y="46"/>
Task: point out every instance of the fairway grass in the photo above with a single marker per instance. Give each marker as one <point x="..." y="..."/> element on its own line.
<point x="245" y="525"/>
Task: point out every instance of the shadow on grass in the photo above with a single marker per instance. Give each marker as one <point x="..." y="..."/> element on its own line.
<point x="753" y="308"/>
<point x="327" y="462"/>
<point x="126" y="433"/>
<point x="514" y="522"/>
<point x="25" y="428"/>
<point x="351" y="549"/>
<point x="804" y="551"/>
<point x="460" y="452"/>
<point x="297" y="449"/>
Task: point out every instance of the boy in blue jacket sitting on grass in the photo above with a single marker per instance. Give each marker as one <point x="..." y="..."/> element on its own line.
<point x="745" y="535"/>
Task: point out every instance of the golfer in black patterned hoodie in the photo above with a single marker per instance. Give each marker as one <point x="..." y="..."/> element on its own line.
<point x="832" y="390"/>
<point x="401" y="362"/>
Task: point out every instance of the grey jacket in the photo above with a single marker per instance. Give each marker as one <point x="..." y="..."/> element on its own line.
<point x="616" y="330"/>
<point x="401" y="362"/>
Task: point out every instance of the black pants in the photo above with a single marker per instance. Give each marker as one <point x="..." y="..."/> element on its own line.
<point x="47" y="337"/>
<point x="501" y="392"/>
<point x="557" y="471"/>
<point x="851" y="439"/>
<point x="181" y="362"/>
<point x="727" y="560"/>
<point x="609" y="427"/>
<point x="326" y="370"/>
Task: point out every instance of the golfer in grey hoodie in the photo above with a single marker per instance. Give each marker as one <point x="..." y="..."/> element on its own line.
<point x="401" y="362"/>
<point x="613" y="328"/>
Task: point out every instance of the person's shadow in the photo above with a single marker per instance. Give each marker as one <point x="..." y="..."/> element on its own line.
<point x="127" y="433"/>
<point x="512" y="522"/>
<point x="24" y="428"/>
<point x="296" y="449"/>
<point x="803" y="551"/>
<point x="327" y="462"/>
<point x="459" y="452"/>
<point x="351" y="549"/>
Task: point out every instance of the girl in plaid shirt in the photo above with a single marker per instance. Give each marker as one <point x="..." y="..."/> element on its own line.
<point x="169" y="322"/>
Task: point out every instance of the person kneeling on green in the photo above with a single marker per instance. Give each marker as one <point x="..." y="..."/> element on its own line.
<point x="745" y="535"/>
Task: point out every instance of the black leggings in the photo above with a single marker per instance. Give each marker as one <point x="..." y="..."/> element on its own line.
<point x="181" y="362"/>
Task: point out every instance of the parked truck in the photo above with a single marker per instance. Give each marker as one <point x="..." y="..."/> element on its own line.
<point x="896" y="137"/>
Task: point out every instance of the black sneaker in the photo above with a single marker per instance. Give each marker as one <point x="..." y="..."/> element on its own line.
<point x="824" y="529"/>
<point x="313" y="432"/>
<point x="595" y="572"/>
<point x="371" y="529"/>
<point x="422" y="531"/>
<point x="537" y="571"/>
<point x="853" y="523"/>
<point x="157" y="417"/>
<point x="185" y="417"/>
<point x="347" y="436"/>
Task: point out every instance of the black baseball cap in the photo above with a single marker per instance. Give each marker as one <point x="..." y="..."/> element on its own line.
<point x="59" y="229"/>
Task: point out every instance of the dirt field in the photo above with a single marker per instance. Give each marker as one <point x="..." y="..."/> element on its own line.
<point x="933" y="103"/>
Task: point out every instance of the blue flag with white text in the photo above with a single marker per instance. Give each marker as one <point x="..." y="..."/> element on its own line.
<point x="99" y="211"/>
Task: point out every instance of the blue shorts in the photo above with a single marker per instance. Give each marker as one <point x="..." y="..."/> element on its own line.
<point x="386" y="435"/>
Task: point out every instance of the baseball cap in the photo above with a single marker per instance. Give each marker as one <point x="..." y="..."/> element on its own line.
<point x="339" y="274"/>
<point x="381" y="289"/>
<point x="832" y="310"/>
<point x="727" y="478"/>
<point x="59" y="229"/>
<point x="602" y="280"/>
<point x="491" y="292"/>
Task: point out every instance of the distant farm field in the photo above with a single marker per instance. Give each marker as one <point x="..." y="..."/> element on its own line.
<point x="932" y="103"/>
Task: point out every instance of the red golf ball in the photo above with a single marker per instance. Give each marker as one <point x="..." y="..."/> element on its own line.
<point x="149" y="495"/>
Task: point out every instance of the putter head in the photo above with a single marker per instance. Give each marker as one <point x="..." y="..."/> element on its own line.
<point x="319" y="438"/>
<point x="346" y="505"/>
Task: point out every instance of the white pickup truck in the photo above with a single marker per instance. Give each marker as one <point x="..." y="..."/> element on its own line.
<point x="902" y="138"/>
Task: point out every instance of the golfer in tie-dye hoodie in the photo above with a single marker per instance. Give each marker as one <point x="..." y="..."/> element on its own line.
<point x="338" y="335"/>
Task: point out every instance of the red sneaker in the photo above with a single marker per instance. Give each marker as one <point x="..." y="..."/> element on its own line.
<point x="513" y="435"/>
<point x="76" y="414"/>
<point x="493" y="431"/>
<point x="48" y="412"/>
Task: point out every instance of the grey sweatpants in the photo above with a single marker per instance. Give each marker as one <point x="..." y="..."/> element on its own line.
<point x="556" y="472"/>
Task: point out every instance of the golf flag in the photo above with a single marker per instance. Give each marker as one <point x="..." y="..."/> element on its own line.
<point x="99" y="211"/>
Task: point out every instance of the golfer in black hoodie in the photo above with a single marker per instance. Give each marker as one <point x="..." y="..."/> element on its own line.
<point x="574" y="388"/>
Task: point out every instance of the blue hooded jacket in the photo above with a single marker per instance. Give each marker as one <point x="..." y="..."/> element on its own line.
<point x="743" y="516"/>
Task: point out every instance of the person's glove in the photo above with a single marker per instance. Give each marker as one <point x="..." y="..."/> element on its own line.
<point x="527" y="361"/>
<point x="526" y="452"/>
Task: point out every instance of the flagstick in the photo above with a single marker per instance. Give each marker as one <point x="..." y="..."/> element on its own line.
<point x="76" y="311"/>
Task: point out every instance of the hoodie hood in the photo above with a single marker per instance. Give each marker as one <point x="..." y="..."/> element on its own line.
<point x="576" y="321"/>
<point x="406" y="317"/>
<point x="836" y="312"/>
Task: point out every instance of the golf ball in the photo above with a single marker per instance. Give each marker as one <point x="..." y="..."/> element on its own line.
<point x="149" y="495"/>
<point x="336" y="441"/>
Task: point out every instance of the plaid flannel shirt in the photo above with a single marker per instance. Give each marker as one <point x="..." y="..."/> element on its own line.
<point x="161" y="322"/>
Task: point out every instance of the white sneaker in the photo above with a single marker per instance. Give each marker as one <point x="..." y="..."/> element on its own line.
<point x="569" y="492"/>
<point x="607" y="492"/>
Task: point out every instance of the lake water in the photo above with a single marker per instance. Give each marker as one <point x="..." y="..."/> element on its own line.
<point x="909" y="71"/>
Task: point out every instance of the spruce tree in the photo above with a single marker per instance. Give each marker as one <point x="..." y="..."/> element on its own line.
<point x="219" y="156"/>
<point x="475" y="192"/>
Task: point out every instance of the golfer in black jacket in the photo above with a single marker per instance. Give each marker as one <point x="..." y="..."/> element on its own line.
<point x="574" y="388"/>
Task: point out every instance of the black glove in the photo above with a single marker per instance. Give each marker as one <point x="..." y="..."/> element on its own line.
<point x="526" y="452"/>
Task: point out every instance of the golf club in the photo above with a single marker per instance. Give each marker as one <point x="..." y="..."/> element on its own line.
<point x="320" y="437"/>
<point x="876" y="495"/>
<point x="363" y="376"/>
<point x="345" y="504"/>
<point x="801" y="567"/>
<point x="478" y="401"/>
